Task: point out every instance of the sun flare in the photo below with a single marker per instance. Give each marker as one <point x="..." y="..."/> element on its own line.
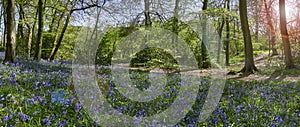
<point x="291" y="11"/>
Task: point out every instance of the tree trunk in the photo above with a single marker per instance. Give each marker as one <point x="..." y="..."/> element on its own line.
<point x="5" y="22"/>
<point x="1" y="14"/>
<point x="30" y="34"/>
<point x="175" y="26"/>
<point x="236" y="33"/>
<point x="235" y="28"/>
<point x="53" y="53"/>
<point x="39" y="43"/>
<point x="205" y="63"/>
<point x="57" y="45"/>
<point x="227" y="40"/>
<point x="147" y="13"/>
<point x="249" y="67"/>
<point x="51" y="26"/>
<point x="220" y="31"/>
<point x="20" y="33"/>
<point x="257" y="3"/>
<point x="30" y="30"/>
<point x="11" y="31"/>
<point x="285" y="36"/>
<point x="271" y="29"/>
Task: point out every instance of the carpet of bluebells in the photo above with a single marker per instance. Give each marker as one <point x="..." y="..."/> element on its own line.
<point x="41" y="94"/>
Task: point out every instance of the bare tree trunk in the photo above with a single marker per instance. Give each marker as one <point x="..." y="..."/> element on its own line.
<point x="51" y="26"/>
<point x="205" y="63"/>
<point x="39" y="44"/>
<point x="30" y="33"/>
<point x="29" y="41"/>
<point x="1" y="14"/>
<point x="235" y="31"/>
<point x="227" y="40"/>
<point x="285" y="35"/>
<point x="257" y="3"/>
<point x="220" y="31"/>
<point x="5" y="22"/>
<point x="20" y="33"/>
<point x="270" y="24"/>
<point x="175" y="26"/>
<point x="249" y="61"/>
<point x="57" y="45"/>
<point x="147" y="13"/>
<point x="11" y="31"/>
<point x="235" y="27"/>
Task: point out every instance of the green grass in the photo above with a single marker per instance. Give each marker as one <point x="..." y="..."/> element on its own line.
<point x="241" y="57"/>
<point x="294" y="72"/>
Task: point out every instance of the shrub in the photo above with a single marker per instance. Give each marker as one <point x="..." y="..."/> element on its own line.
<point x="153" y="58"/>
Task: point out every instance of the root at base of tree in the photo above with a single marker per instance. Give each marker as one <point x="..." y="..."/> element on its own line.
<point x="247" y="70"/>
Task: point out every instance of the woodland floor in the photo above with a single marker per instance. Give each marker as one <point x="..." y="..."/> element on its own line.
<point x="268" y="71"/>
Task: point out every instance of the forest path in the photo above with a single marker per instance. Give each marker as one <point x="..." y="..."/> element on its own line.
<point x="263" y="62"/>
<point x="271" y="69"/>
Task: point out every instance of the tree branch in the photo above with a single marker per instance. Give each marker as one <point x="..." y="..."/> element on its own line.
<point x="89" y="6"/>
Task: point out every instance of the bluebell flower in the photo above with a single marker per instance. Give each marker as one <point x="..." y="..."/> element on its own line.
<point x="5" y="118"/>
<point x="65" y="122"/>
<point x="224" y="116"/>
<point x="59" y="96"/>
<point x="10" y="116"/>
<point x="26" y="117"/>
<point x="238" y="120"/>
<point x="46" y="121"/>
<point x="137" y="121"/>
<point x="64" y="113"/>
<point x="20" y="114"/>
<point x="77" y="107"/>
<point x="278" y="119"/>
<point x="79" y="116"/>
<point x="214" y="121"/>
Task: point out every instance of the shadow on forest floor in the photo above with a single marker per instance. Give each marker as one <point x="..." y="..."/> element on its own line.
<point x="271" y="69"/>
<point x="277" y="75"/>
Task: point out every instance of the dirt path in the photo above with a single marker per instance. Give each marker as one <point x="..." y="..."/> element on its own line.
<point x="261" y="62"/>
